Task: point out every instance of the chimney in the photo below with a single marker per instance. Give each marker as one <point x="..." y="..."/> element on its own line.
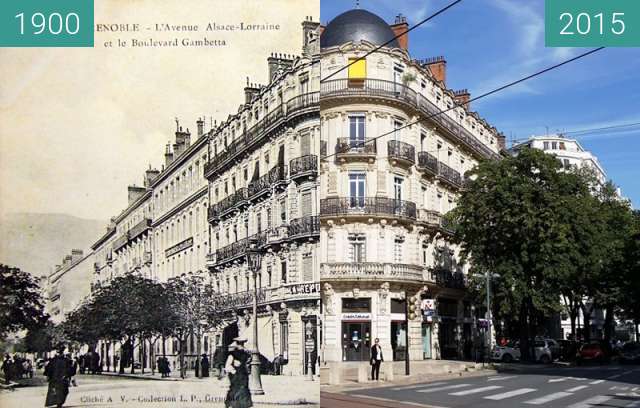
<point x="438" y="68"/>
<point x="66" y="261"/>
<point x="502" y="141"/>
<point x="250" y="91"/>
<point x="200" y="124"/>
<point x="135" y="192"/>
<point x="399" y="27"/>
<point x="183" y="141"/>
<point x="150" y="175"/>
<point x="310" y="37"/>
<point x="76" y="255"/>
<point x="168" y="155"/>
<point x="462" y="98"/>
<point x="277" y="61"/>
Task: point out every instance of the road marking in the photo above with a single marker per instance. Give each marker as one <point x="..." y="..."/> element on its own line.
<point x="614" y="376"/>
<point x="627" y="372"/>
<point x="596" y="382"/>
<point x="554" y="380"/>
<point x="391" y="400"/>
<point x="476" y="390"/>
<point x="410" y="387"/>
<point x="578" y="388"/>
<point x="590" y="402"/>
<point x="501" y="378"/>
<point x="510" y="394"/>
<point x="446" y="387"/>
<point x="548" y="398"/>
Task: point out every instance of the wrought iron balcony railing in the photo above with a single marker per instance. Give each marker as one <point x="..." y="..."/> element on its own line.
<point x="428" y="163"/>
<point x="401" y="151"/>
<point x="304" y="166"/>
<point x="354" y="147"/>
<point x="371" y="270"/>
<point x="374" y="206"/>
<point x="140" y="228"/>
<point x="238" y="248"/>
<point x="224" y="206"/>
<point x="401" y="93"/>
<point x="449" y="279"/>
<point x="449" y="175"/>
<point x="304" y="226"/>
<point x="263" y="185"/>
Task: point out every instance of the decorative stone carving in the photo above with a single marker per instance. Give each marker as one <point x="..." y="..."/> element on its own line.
<point x="328" y="293"/>
<point x="356" y="293"/>
<point x="383" y="294"/>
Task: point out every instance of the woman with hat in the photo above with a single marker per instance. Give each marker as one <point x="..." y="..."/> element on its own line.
<point x="238" y="395"/>
<point x="58" y="372"/>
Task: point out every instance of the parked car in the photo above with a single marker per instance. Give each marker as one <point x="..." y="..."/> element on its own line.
<point x="630" y="353"/>
<point x="592" y="352"/>
<point x="568" y="349"/>
<point x="511" y="351"/>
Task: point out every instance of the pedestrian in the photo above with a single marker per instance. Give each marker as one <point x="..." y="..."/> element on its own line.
<point x="7" y="368"/>
<point x="238" y="395"/>
<point x="74" y="370"/>
<point x="58" y="372"/>
<point x="204" y="363"/>
<point x="376" y="360"/>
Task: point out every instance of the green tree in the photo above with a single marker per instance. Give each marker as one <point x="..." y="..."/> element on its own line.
<point x="21" y="304"/>
<point x="513" y="219"/>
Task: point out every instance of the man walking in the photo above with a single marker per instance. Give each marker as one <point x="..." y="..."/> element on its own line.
<point x="376" y="360"/>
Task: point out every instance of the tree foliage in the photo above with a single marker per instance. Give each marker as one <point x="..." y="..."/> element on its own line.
<point x="21" y="303"/>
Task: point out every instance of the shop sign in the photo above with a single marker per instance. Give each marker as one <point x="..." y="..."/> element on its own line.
<point x="187" y="243"/>
<point x="356" y="316"/>
<point x="428" y="304"/>
<point x="303" y="289"/>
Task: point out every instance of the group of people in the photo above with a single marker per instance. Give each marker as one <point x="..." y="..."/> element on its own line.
<point x="164" y="367"/>
<point x="16" y="367"/>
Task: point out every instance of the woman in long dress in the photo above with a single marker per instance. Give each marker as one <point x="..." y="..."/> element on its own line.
<point x="238" y="395"/>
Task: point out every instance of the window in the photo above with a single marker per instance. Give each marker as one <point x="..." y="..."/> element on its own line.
<point x="269" y="282"/>
<point x="554" y="145"/>
<point x="304" y="85"/>
<point x="562" y="146"/>
<point x="566" y="163"/>
<point x="246" y="174"/>
<point x="357" y="248"/>
<point x="356" y="131"/>
<point x="269" y="218"/>
<point x="307" y="206"/>
<point x="397" y="129"/>
<point x="283" y="268"/>
<point x="307" y="268"/>
<point x="284" y="339"/>
<point x="545" y="145"/>
<point x="397" y="249"/>
<point x="360" y="305"/>
<point x="397" y="188"/>
<point x="356" y="189"/>
<point x="357" y="68"/>
<point x="283" y="211"/>
<point x="423" y="141"/>
<point x="258" y="222"/>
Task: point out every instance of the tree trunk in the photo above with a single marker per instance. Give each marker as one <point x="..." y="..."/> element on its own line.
<point x="133" y="354"/>
<point x="586" y="317"/>
<point x="198" y="353"/>
<point x="121" y="370"/>
<point x="608" y="324"/>
<point x="183" y="369"/>
<point x="152" y="355"/>
<point x="164" y="346"/>
<point x="143" y="363"/>
<point x="524" y="329"/>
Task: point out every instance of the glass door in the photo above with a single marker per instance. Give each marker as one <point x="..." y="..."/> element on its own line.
<point x="356" y="132"/>
<point x="356" y="341"/>
<point x="357" y="184"/>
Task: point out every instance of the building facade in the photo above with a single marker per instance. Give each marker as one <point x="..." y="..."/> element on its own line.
<point x="263" y="190"/>
<point x="68" y="284"/>
<point x="390" y="169"/>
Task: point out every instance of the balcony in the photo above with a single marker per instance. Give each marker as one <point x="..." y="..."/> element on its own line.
<point x="140" y="228"/>
<point x="354" y="271"/>
<point x="368" y="207"/>
<point x="226" y="206"/>
<point x="239" y="300"/>
<point x="427" y="164"/>
<point x="262" y="186"/>
<point x="401" y="153"/>
<point x="305" y="103"/>
<point x="121" y="241"/>
<point x="237" y="250"/>
<point x="348" y="149"/>
<point x="213" y="215"/>
<point x="334" y="91"/>
<point x="305" y="227"/>
<point x="449" y="279"/>
<point x="449" y="176"/>
<point x="304" y="167"/>
<point x="429" y="218"/>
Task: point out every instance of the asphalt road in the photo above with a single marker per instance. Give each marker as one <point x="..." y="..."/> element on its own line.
<point x="611" y="386"/>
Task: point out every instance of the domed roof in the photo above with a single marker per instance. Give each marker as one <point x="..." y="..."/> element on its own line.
<point x="355" y="25"/>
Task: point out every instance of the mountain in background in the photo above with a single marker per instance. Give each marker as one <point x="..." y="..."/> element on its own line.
<point x="37" y="242"/>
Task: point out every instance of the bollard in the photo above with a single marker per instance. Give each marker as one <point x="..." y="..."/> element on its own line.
<point x="335" y="374"/>
<point x="388" y="372"/>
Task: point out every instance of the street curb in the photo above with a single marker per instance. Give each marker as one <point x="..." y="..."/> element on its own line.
<point x="137" y="377"/>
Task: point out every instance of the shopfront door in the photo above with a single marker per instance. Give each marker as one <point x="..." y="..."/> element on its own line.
<point x="426" y="341"/>
<point x="356" y="341"/>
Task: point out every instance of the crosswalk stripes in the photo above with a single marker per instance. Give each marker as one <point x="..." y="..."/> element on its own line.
<point x="548" y="398"/>
<point x="446" y="387"/>
<point x="509" y="394"/>
<point x="596" y="382"/>
<point x="578" y="388"/>
<point x="476" y="390"/>
<point x="410" y="387"/>
<point x="590" y="402"/>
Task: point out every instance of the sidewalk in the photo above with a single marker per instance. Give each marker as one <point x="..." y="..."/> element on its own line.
<point x="338" y="377"/>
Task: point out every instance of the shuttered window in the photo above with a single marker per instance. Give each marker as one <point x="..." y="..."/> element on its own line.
<point x="307" y="268"/>
<point x="357" y="68"/>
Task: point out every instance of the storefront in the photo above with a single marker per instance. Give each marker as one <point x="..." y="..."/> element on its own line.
<point x="356" y="329"/>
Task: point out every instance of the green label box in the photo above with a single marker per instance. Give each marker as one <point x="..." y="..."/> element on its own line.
<point x="592" y="23"/>
<point x="46" y="23"/>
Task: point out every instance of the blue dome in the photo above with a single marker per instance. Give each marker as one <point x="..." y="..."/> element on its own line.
<point x="356" y="25"/>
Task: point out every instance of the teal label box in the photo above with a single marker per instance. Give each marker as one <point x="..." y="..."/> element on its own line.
<point x="46" y="23"/>
<point x="592" y="23"/>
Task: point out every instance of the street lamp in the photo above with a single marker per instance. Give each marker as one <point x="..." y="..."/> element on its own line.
<point x="309" y="347"/>
<point x="254" y="261"/>
<point x="489" y="276"/>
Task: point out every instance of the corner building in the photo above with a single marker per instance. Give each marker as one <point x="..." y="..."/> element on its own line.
<point x="383" y="237"/>
<point x="263" y="188"/>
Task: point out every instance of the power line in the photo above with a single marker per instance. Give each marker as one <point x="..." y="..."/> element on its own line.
<point x="602" y="128"/>
<point x="484" y="95"/>
<point x="442" y="10"/>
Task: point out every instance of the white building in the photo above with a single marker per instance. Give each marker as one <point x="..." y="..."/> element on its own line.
<point x="383" y="239"/>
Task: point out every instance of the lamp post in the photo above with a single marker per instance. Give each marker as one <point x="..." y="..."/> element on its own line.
<point x="254" y="261"/>
<point x="309" y="347"/>
<point x="489" y="276"/>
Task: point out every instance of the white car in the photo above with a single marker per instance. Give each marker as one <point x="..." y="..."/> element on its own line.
<point x="511" y="351"/>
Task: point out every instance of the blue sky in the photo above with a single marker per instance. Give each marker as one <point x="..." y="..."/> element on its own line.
<point x="488" y="43"/>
